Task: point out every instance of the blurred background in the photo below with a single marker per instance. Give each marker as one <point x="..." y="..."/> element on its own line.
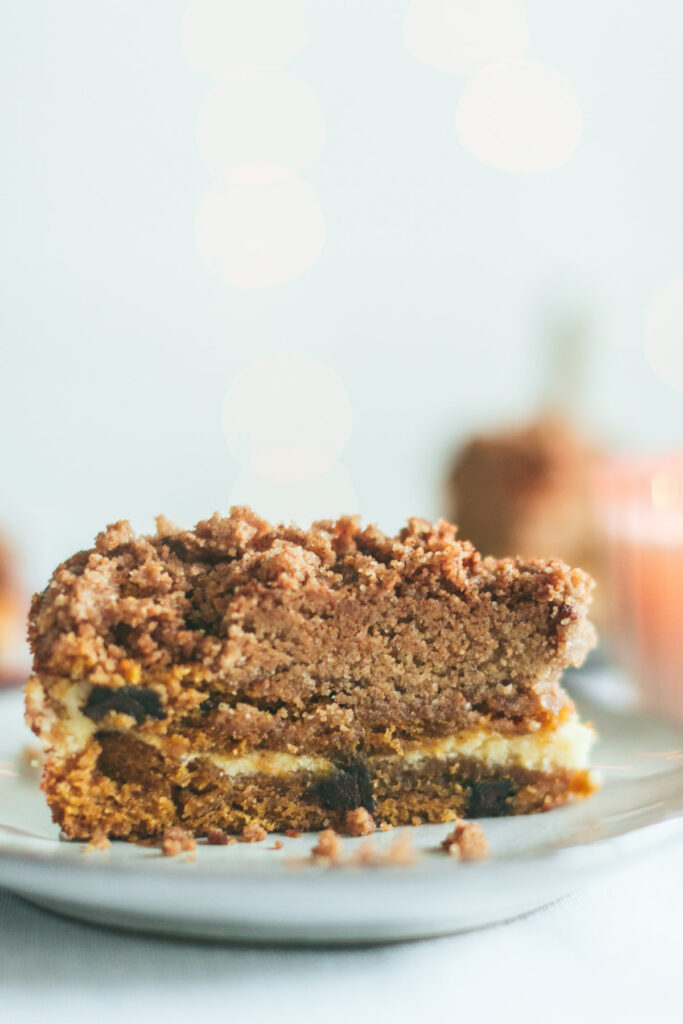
<point x="294" y="253"/>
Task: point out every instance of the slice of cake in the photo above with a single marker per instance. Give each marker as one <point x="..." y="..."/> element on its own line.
<point x="240" y="673"/>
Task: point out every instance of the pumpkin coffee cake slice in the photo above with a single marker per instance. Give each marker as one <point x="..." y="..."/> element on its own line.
<point x="241" y="673"/>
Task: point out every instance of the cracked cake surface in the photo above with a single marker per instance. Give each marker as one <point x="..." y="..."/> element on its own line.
<point x="243" y="673"/>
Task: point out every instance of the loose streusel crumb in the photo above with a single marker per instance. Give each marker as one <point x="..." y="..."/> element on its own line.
<point x="100" y="841"/>
<point x="399" y="853"/>
<point x="466" y="842"/>
<point x="359" y="822"/>
<point x="385" y="826"/>
<point x="328" y="847"/>
<point x="293" y="833"/>
<point x="253" y="833"/>
<point x="277" y="845"/>
<point x="365" y="854"/>
<point x="177" y="840"/>
<point x="217" y="837"/>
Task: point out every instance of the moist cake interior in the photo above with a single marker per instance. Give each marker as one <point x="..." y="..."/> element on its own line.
<point x="241" y="673"/>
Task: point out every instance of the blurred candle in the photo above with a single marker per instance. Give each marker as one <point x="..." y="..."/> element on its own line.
<point x="641" y="500"/>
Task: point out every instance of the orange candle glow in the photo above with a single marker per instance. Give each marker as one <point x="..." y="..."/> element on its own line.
<point x="642" y="505"/>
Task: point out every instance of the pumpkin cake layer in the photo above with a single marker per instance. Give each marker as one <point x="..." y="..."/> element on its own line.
<point x="241" y="673"/>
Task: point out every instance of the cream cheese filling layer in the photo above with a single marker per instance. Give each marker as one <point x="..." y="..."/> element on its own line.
<point x="566" y="747"/>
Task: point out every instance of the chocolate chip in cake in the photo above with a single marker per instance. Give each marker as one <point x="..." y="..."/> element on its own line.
<point x="124" y="759"/>
<point x="489" y="799"/>
<point x="348" y="787"/>
<point x="137" y="701"/>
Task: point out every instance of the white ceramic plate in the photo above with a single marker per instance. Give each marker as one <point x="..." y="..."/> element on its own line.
<point x="255" y="893"/>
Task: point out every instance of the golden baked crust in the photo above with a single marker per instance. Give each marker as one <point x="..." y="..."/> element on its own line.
<point x="162" y="664"/>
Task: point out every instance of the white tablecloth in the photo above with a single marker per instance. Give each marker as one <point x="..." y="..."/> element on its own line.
<point x="609" y="953"/>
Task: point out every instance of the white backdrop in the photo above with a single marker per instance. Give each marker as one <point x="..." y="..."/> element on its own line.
<point x="185" y="192"/>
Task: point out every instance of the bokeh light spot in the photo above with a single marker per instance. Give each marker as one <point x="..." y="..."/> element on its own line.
<point x="230" y="38"/>
<point x="272" y="118"/>
<point x="259" y="225"/>
<point x="287" y="418"/>
<point x="664" y="333"/>
<point x="461" y="36"/>
<point x="519" y="116"/>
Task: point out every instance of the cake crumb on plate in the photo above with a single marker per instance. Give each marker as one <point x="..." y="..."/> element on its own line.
<point x="328" y="847"/>
<point x="177" y="840"/>
<point x="253" y="833"/>
<point x="466" y="842"/>
<point x="100" y="841"/>
<point x="217" y="837"/>
<point x="359" y="822"/>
